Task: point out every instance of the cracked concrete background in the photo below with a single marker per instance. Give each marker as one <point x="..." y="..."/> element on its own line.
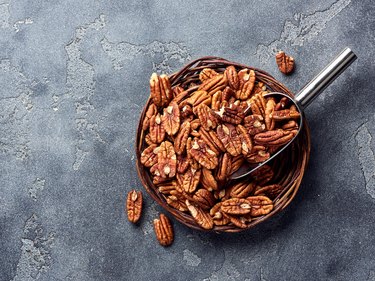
<point x="73" y="81"/>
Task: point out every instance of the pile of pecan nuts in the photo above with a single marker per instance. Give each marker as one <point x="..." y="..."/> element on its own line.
<point x="197" y="136"/>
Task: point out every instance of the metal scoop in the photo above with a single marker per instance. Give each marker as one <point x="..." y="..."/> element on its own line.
<point x="302" y="99"/>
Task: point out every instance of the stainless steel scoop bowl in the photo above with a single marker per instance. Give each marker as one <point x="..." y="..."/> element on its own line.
<point x="303" y="98"/>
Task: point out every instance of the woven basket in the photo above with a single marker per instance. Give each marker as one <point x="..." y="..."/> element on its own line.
<point x="291" y="163"/>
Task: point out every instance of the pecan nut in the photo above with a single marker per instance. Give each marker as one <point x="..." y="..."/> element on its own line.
<point x="214" y="84"/>
<point x="149" y="156"/>
<point x="203" y="154"/>
<point x="285" y="114"/>
<point x="167" y="160"/>
<point x="161" y="91"/>
<point x="270" y="191"/>
<point x="157" y="131"/>
<point x="230" y="138"/>
<point x="225" y="167"/>
<point x="171" y="118"/>
<point x="260" y="205"/>
<point x="208" y="180"/>
<point x="189" y="180"/>
<point x="204" y="198"/>
<point x="262" y="175"/>
<point x="134" y="205"/>
<point x="246" y="88"/>
<point x="236" y="206"/>
<point x="268" y="118"/>
<point x="206" y="117"/>
<point x="202" y="217"/>
<point x="206" y="74"/>
<point x="254" y="124"/>
<point x="274" y="138"/>
<point x="163" y="230"/>
<point x="151" y="111"/>
<point x="217" y="215"/>
<point x="232" y="76"/>
<point x="241" y="189"/>
<point x="246" y="143"/>
<point x="181" y="138"/>
<point x="284" y="62"/>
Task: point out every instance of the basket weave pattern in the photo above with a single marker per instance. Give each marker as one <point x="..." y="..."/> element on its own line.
<point x="289" y="166"/>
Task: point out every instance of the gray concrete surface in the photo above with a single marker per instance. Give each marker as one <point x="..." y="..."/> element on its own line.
<point x="73" y="80"/>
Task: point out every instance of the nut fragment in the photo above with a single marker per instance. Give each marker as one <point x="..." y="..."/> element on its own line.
<point x="254" y="124"/>
<point x="284" y="62"/>
<point x="163" y="230"/>
<point x="134" y="205"/>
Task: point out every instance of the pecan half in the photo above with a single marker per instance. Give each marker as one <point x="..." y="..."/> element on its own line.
<point x="225" y="167"/>
<point x="241" y="189"/>
<point x="189" y="180"/>
<point x="202" y="217"/>
<point x="214" y="84"/>
<point x="167" y="187"/>
<point x="285" y="114"/>
<point x="167" y="160"/>
<point x="232" y="76"/>
<point x="246" y="143"/>
<point x="177" y="202"/>
<point x="260" y="205"/>
<point x="230" y="138"/>
<point x="282" y="103"/>
<point x="206" y="117"/>
<point x="262" y="175"/>
<point x="181" y="138"/>
<point x="149" y="156"/>
<point x="227" y="94"/>
<point x="182" y="163"/>
<point x="163" y="230"/>
<point x="270" y="191"/>
<point x="186" y="111"/>
<point x="206" y="74"/>
<point x="161" y="91"/>
<point x="284" y="62"/>
<point x="208" y="180"/>
<point x="177" y="90"/>
<point x="258" y="104"/>
<point x="274" y="138"/>
<point x="291" y="125"/>
<point x="236" y="163"/>
<point x="197" y="98"/>
<point x="151" y="111"/>
<point x="258" y="155"/>
<point x="134" y="205"/>
<point x="217" y="215"/>
<point x="239" y="221"/>
<point x="236" y="206"/>
<point x="203" y="154"/>
<point x="246" y="88"/>
<point x="216" y="100"/>
<point x="204" y="198"/>
<point x="254" y="124"/>
<point x="268" y="118"/>
<point x="157" y="131"/>
<point x="171" y="119"/>
<point x="231" y="114"/>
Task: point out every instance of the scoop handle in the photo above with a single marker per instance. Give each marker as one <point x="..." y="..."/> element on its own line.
<point x="333" y="70"/>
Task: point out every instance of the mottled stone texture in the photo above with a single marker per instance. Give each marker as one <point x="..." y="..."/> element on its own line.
<point x="73" y="81"/>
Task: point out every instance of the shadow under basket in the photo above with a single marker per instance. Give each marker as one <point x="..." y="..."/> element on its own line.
<point x="291" y="163"/>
